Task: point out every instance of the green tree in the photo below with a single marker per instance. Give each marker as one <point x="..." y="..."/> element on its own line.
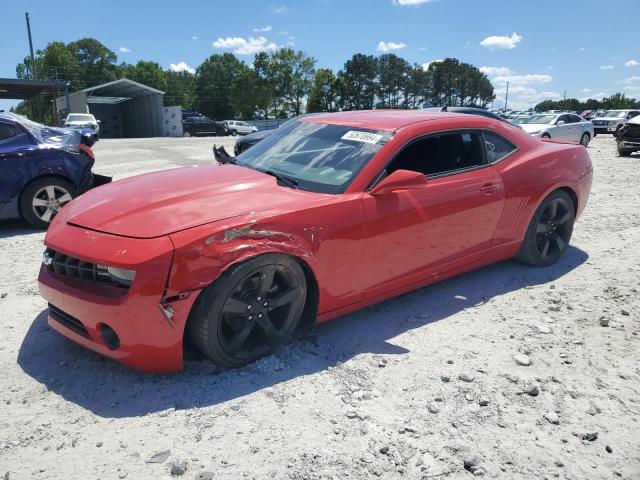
<point x="97" y="62"/>
<point x="214" y="79"/>
<point x="357" y="82"/>
<point x="180" y="89"/>
<point x="453" y="83"/>
<point x="324" y="94"/>
<point x="249" y="95"/>
<point x="147" y="73"/>
<point x="416" y="87"/>
<point x="392" y="72"/>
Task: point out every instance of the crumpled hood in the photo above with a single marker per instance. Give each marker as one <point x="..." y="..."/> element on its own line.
<point x="165" y="202"/>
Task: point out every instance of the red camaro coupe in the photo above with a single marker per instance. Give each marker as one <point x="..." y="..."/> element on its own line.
<point x="328" y="214"/>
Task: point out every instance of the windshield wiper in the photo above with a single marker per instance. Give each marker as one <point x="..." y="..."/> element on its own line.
<point x="289" y="182"/>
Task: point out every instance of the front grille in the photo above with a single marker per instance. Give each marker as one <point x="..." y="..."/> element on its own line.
<point x="68" y="321"/>
<point x="68" y="266"/>
<point x="599" y="122"/>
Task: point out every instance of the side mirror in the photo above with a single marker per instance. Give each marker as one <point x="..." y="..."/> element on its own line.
<point x="398" y="181"/>
<point x="98" y="121"/>
<point x="560" y="122"/>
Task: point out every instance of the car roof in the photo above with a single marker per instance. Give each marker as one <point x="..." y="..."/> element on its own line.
<point x="385" y="120"/>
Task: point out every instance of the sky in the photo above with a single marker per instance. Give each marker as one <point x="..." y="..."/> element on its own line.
<point x="544" y="48"/>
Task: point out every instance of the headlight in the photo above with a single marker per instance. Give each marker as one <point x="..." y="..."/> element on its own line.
<point x="120" y="276"/>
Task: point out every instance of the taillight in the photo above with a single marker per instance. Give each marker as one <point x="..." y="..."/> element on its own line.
<point x="87" y="150"/>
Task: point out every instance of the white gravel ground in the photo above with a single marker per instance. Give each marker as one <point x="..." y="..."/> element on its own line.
<point x="411" y="388"/>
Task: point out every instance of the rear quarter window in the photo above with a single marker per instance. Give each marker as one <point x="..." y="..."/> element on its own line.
<point x="496" y="146"/>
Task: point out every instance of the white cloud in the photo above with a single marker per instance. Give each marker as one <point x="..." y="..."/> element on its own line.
<point x="279" y="8"/>
<point x="409" y="3"/>
<point x="495" y="42"/>
<point x="631" y="85"/>
<point x="387" y="46"/>
<point x="244" y="46"/>
<point x="125" y="50"/>
<point x="585" y="90"/>
<point x="527" y="79"/>
<point x="631" y="63"/>
<point x="496" y="71"/>
<point x="582" y="49"/>
<point x="425" y="66"/>
<point x="607" y="67"/>
<point x="181" y="67"/>
<point x="194" y="38"/>
<point x="595" y="96"/>
<point x="268" y="28"/>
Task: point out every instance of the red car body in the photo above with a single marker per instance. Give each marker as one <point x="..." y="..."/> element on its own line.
<point x="359" y="248"/>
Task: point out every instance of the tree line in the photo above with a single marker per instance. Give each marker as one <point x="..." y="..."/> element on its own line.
<point x="278" y="83"/>
<point x="615" y="101"/>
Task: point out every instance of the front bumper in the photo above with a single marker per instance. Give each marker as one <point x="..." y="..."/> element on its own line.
<point x="80" y="308"/>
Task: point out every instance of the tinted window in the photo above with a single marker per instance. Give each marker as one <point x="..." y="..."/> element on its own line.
<point x="632" y="114"/>
<point x="7" y="131"/>
<point x="497" y="146"/>
<point x="439" y="154"/>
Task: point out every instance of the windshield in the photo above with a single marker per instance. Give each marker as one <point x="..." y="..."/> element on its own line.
<point x="79" y="118"/>
<point x="614" y="114"/>
<point x="540" y="119"/>
<point x="319" y="157"/>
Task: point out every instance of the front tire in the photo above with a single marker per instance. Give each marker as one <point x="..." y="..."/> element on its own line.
<point x="549" y="231"/>
<point x="186" y="134"/>
<point x="234" y="133"/>
<point x="43" y="198"/>
<point x="250" y="311"/>
<point x="545" y="135"/>
<point x="624" y="152"/>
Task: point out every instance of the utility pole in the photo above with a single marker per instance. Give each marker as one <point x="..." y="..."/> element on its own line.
<point x="565" y="94"/>
<point x="33" y="61"/>
<point x="506" y="98"/>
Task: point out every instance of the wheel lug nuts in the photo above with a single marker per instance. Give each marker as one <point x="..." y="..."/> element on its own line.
<point x="248" y="307"/>
<point x="259" y="315"/>
<point x="265" y="304"/>
<point x="259" y="298"/>
<point x="250" y="317"/>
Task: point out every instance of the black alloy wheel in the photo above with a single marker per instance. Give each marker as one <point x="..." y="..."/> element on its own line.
<point x="549" y="232"/>
<point x="251" y="311"/>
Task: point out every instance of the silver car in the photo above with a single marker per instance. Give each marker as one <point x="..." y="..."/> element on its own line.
<point x="612" y="121"/>
<point x="564" y="126"/>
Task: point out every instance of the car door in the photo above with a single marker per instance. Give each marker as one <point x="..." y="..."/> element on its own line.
<point x="412" y="235"/>
<point x="562" y="131"/>
<point x="15" y="146"/>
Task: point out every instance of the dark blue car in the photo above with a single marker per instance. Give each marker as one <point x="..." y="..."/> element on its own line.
<point x="41" y="168"/>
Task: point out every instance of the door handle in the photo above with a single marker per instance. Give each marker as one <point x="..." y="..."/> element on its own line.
<point x="489" y="188"/>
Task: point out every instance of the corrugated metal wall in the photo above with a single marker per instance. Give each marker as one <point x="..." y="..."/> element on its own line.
<point x="142" y="117"/>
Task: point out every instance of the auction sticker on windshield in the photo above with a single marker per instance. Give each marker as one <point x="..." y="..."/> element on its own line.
<point x="364" y="137"/>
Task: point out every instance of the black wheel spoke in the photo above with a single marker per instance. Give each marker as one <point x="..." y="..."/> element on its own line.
<point x="553" y="209"/>
<point x="545" y="248"/>
<point x="238" y="341"/>
<point x="284" y="298"/>
<point x="235" y="305"/>
<point x="564" y="218"/>
<point x="542" y="228"/>
<point x="266" y="282"/>
<point x="270" y="331"/>
<point x="560" y="243"/>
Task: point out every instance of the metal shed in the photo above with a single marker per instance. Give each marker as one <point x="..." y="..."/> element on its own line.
<point x="126" y="109"/>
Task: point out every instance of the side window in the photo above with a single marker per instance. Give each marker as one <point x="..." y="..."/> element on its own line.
<point x="7" y="131"/>
<point x="441" y="153"/>
<point x="572" y="119"/>
<point x="563" y="118"/>
<point x="632" y="115"/>
<point x="497" y="146"/>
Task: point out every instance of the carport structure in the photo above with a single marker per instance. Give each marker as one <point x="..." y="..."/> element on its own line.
<point x="126" y="109"/>
<point x="24" y="89"/>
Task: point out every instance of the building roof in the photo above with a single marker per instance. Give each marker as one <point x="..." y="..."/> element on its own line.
<point x="119" y="91"/>
<point x="16" y="88"/>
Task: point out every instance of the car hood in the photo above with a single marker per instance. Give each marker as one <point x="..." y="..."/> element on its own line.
<point x="88" y="122"/>
<point x="157" y="204"/>
<point x="609" y="118"/>
<point x="534" y="127"/>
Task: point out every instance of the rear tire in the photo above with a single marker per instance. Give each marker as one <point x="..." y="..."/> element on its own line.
<point x="186" y="134"/>
<point x="250" y="311"/>
<point x="545" y="135"/>
<point x="43" y="198"/>
<point x="624" y="152"/>
<point x="234" y="133"/>
<point x="549" y="231"/>
<point x="585" y="139"/>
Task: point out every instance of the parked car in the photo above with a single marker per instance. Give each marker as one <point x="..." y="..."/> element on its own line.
<point x="237" y="127"/>
<point x="563" y="126"/>
<point x="327" y="215"/>
<point x="628" y="138"/>
<point x="186" y="113"/>
<point x="82" y="121"/>
<point x="42" y="168"/>
<point x="612" y="121"/>
<point x="194" y="126"/>
<point x="248" y="141"/>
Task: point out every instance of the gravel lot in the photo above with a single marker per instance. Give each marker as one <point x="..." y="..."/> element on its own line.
<point x="421" y="386"/>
